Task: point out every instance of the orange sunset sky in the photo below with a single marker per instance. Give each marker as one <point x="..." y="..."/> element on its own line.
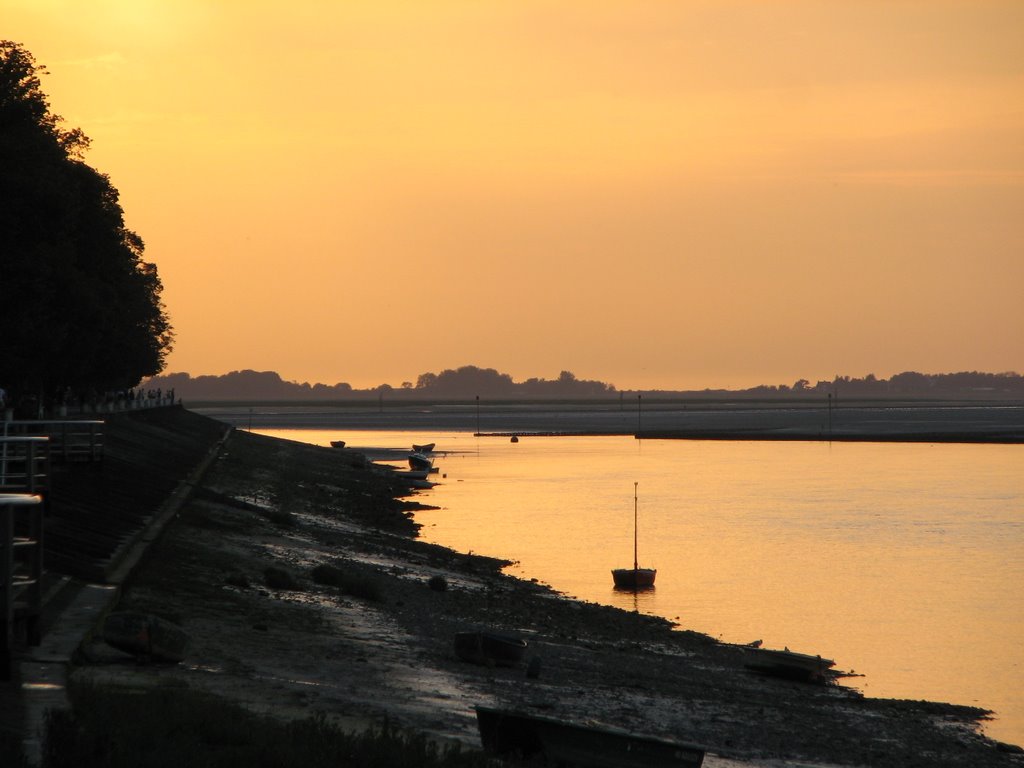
<point x="657" y="194"/>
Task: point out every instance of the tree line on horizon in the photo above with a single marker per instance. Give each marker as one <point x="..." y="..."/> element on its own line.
<point x="469" y="382"/>
<point x="80" y="310"/>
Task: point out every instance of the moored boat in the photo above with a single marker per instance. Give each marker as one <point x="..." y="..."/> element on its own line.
<point x="636" y="577"/>
<point x="427" y="448"/>
<point x="413" y="474"/>
<point x="337" y="443"/>
<point x="420" y="461"/>
<point x="576" y="745"/>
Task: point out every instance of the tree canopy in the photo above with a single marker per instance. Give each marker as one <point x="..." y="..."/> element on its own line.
<point x="79" y="308"/>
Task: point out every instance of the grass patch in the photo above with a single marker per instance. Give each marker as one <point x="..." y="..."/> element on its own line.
<point x="354" y="584"/>
<point x="171" y="728"/>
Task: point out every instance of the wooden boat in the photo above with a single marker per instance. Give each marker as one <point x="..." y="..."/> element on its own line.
<point x="423" y="448"/>
<point x="142" y="634"/>
<point x="636" y="577"/>
<point x="420" y="461"/>
<point x="337" y="443"/>
<point x="576" y="745"/>
<point x="413" y="474"/>
<point x="789" y="664"/>
<point x="489" y="648"/>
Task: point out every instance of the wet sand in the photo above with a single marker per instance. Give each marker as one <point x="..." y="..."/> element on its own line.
<point x="269" y="503"/>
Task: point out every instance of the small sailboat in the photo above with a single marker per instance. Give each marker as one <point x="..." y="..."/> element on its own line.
<point x="636" y="577"/>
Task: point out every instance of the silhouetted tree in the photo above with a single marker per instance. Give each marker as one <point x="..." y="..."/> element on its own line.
<point x="80" y="308"/>
<point x="469" y="381"/>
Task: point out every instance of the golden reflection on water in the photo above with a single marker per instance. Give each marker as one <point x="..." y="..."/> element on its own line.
<point x="903" y="562"/>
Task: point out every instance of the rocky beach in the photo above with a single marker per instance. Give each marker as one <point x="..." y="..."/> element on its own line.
<point x="297" y="573"/>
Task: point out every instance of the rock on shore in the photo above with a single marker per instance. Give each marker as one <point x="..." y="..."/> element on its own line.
<point x="297" y="574"/>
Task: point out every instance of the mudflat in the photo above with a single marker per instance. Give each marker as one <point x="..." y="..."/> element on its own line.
<point x="242" y="570"/>
<point x="915" y="420"/>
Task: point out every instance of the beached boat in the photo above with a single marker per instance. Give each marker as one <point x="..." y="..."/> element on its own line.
<point x="577" y="745"/>
<point x="412" y="474"/>
<point x="420" y="461"/>
<point x="489" y="648"/>
<point x="143" y="634"/>
<point x="337" y="443"/>
<point x="636" y="577"/>
<point x="423" y="448"/>
<point x="789" y="664"/>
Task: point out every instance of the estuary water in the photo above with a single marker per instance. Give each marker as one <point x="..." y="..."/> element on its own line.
<point x="903" y="562"/>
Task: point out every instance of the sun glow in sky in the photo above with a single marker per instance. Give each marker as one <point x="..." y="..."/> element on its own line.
<point x="662" y="194"/>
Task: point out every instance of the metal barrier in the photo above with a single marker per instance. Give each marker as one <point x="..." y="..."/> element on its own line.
<point x="21" y="571"/>
<point x="24" y="464"/>
<point x="70" y="440"/>
<point x="24" y="474"/>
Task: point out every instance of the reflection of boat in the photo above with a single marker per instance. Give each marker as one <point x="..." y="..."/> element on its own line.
<point x="489" y="648"/>
<point x="635" y="577"/>
<point x="557" y="742"/>
<point x="787" y="663"/>
<point x="420" y="461"/>
<point x="423" y="448"/>
<point x="337" y="443"/>
<point x="144" y="635"/>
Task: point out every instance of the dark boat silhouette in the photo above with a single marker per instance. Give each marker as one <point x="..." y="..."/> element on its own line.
<point x="636" y="577"/>
<point x="489" y="648"/>
<point x="578" y="745"/>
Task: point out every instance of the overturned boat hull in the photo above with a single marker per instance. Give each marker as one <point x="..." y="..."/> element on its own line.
<point x="489" y="648"/>
<point x="789" y="664"/>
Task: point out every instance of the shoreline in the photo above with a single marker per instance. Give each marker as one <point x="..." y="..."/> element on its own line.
<point x="377" y="645"/>
<point x="276" y="503"/>
<point x="911" y="421"/>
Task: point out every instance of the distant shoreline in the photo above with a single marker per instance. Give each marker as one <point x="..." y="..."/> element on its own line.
<point x="856" y="421"/>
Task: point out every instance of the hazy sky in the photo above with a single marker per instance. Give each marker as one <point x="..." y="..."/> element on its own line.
<point x="654" y="193"/>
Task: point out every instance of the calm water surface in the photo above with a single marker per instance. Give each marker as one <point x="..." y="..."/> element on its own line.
<point x="902" y="562"/>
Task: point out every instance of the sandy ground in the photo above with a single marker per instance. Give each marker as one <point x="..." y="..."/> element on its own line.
<point x="293" y="652"/>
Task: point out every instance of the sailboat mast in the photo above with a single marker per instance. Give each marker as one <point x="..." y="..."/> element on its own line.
<point x="635" y="566"/>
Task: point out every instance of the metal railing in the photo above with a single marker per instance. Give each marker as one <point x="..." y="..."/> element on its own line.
<point x="24" y="464"/>
<point x="70" y="439"/>
<point x="21" y="571"/>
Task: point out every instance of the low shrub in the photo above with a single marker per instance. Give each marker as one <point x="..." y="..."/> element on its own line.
<point x="353" y="584"/>
<point x="438" y="583"/>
